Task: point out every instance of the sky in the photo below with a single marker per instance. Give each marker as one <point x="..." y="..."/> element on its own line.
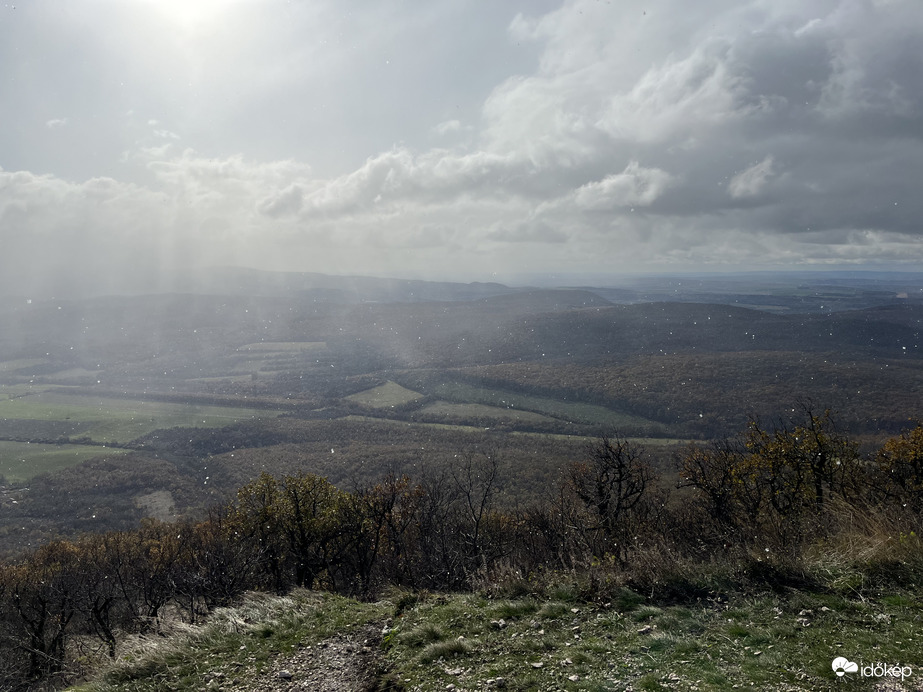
<point x="454" y="139"/>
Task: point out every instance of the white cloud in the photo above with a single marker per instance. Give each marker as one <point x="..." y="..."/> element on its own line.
<point x="55" y="123"/>
<point x="637" y="136"/>
<point x="448" y="127"/>
<point x="633" y="186"/>
<point x="286" y="203"/>
<point x="401" y="177"/>
<point x="752" y="181"/>
<point x="678" y="100"/>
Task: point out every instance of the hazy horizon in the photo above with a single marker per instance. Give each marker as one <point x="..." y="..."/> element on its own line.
<point x="241" y="280"/>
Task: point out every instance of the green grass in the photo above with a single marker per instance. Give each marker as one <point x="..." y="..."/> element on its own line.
<point x="769" y="643"/>
<point x="119" y="421"/>
<point x="387" y="395"/>
<point x="425" y="634"/>
<point x="20" y="461"/>
<point x="451" y="648"/>
<point x="241" y="642"/>
<point x="762" y="641"/>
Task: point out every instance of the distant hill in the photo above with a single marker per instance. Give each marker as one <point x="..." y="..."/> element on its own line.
<point x="516" y="326"/>
<point x="545" y="300"/>
<point x="651" y="328"/>
<point x="349" y="289"/>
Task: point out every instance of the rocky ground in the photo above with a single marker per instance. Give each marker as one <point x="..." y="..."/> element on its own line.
<point x="346" y="663"/>
<point x="424" y="642"/>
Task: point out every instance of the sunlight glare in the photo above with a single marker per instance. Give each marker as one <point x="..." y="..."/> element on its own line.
<point x="191" y="16"/>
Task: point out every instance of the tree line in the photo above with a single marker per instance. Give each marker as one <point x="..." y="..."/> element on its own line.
<point x="778" y="488"/>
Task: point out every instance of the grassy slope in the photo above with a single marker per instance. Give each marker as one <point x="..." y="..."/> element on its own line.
<point x="763" y="641"/>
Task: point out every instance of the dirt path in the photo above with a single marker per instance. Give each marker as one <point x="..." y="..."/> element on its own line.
<point x="346" y="663"/>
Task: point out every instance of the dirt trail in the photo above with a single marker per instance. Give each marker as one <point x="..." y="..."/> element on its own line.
<point x="346" y="663"/>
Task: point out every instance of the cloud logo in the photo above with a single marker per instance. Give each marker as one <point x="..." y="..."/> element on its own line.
<point x="841" y="666"/>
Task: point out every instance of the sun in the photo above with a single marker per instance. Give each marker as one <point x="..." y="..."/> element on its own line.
<point x="191" y="16"/>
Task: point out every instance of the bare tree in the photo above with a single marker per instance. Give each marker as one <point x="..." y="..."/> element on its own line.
<point x="475" y="474"/>
<point x="612" y="483"/>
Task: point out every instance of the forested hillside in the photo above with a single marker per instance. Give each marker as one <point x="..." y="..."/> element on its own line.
<point x="471" y="437"/>
<point x="793" y="507"/>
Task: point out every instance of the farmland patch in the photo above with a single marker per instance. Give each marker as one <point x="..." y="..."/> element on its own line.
<point x="444" y="409"/>
<point x="20" y="461"/>
<point x="575" y="412"/>
<point x="113" y="420"/>
<point x="388" y="395"/>
<point x="278" y="356"/>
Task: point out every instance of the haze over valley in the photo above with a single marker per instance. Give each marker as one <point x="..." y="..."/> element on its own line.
<point x="164" y="387"/>
<point x="556" y="344"/>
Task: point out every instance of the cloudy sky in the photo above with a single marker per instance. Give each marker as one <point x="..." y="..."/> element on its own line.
<point x="459" y="139"/>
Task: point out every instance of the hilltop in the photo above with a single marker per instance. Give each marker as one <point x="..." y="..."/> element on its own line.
<point x="561" y="639"/>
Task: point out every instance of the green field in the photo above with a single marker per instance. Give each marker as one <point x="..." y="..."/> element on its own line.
<point x="112" y="420"/>
<point x="20" y="461"/>
<point x="562" y="410"/>
<point x="471" y="411"/>
<point x="388" y="395"/>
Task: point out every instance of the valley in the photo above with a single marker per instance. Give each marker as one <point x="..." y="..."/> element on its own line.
<point x="202" y="390"/>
